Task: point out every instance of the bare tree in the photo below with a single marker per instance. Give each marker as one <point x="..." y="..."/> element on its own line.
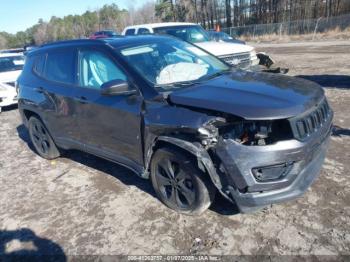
<point x="3" y="42"/>
<point x="228" y="13"/>
<point x="41" y="34"/>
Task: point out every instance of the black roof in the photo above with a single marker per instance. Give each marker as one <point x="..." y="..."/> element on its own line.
<point x="115" y="42"/>
<point x="135" y="40"/>
<point x="71" y="42"/>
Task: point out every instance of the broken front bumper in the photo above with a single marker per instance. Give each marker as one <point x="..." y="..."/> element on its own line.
<point x="291" y="167"/>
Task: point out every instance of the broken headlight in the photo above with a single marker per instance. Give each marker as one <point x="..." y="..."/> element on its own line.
<point x="257" y="133"/>
<point x="208" y="135"/>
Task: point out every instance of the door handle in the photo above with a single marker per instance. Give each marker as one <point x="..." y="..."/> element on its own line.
<point x="39" y="90"/>
<point x="81" y="99"/>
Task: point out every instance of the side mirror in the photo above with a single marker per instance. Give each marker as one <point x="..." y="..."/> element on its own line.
<point x="116" y="87"/>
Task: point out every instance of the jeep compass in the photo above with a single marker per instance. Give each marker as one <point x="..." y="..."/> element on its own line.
<point x="173" y="113"/>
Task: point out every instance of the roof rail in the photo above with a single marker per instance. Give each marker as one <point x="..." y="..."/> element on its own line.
<point x="73" y="41"/>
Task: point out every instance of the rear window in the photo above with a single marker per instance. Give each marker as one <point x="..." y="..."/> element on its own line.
<point x="130" y="32"/>
<point x="143" y="31"/>
<point x="60" y="66"/>
<point x="189" y="33"/>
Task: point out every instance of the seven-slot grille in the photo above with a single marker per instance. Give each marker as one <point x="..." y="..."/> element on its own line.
<point x="243" y="59"/>
<point x="310" y="123"/>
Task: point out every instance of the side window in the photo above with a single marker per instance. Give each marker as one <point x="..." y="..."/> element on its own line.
<point x="60" y="66"/>
<point x="39" y="64"/>
<point x="96" y="69"/>
<point x="143" y="31"/>
<point x="130" y="32"/>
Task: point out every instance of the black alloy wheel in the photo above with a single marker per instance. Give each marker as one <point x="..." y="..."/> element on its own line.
<point x="41" y="139"/>
<point x="179" y="183"/>
<point x="175" y="184"/>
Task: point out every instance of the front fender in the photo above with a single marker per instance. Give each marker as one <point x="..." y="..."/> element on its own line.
<point x="204" y="160"/>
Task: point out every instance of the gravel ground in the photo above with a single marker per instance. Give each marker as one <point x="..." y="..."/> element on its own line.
<point x="83" y="205"/>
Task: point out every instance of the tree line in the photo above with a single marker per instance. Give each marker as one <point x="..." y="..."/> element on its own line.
<point x="208" y="13"/>
<point x="232" y="13"/>
<point x="79" y="26"/>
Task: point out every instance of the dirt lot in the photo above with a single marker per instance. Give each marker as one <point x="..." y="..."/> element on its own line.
<point x="83" y="205"/>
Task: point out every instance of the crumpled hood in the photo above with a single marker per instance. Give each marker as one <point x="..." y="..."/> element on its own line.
<point x="224" y="48"/>
<point x="252" y="95"/>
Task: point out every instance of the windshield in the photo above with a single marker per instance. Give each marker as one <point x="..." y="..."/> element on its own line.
<point x="189" y="33"/>
<point x="171" y="62"/>
<point x="110" y="33"/>
<point x="220" y="35"/>
<point x="225" y="36"/>
<point x="11" y="63"/>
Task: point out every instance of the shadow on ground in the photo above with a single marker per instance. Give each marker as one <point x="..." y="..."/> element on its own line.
<point x="224" y="207"/>
<point x="221" y="205"/>
<point x="24" y="135"/>
<point x="119" y="172"/>
<point x="339" y="131"/>
<point x="9" y="108"/>
<point x="24" y="245"/>
<point x="337" y="81"/>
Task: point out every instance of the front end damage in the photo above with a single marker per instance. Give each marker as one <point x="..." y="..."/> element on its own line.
<point x="252" y="163"/>
<point x="266" y="61"/>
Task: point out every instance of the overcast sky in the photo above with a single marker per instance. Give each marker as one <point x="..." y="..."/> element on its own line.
<point x="18" y="15"/>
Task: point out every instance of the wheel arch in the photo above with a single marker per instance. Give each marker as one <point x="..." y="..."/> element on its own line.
<point x="26" y="114"/>
<point x="29" y="113"/>
<point x="204" y="161"/>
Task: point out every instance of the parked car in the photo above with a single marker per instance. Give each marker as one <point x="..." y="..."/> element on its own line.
<point x="12" y="51"/>
<point x="174" y="113"/>
<point x="29" y="47"/>
<point x="239" y="55"/>
<point x="104" y="34"/>
<point x="11" y="65"/>
<point x="223" y="37"/>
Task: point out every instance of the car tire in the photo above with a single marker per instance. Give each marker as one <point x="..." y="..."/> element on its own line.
<point x="41" y="139"/>
<point x="179" y="183"/>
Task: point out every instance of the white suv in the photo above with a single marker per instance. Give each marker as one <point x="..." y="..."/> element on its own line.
<point x="240" y="55"/>
<point x="11" y="65"/>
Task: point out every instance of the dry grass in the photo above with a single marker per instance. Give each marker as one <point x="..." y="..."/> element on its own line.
<point x="335" y="34"/>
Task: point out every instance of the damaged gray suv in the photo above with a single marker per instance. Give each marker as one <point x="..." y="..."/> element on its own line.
<point x="173" y="113"/>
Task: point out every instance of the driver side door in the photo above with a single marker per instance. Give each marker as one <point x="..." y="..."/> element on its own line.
<point x="110" y="125"/>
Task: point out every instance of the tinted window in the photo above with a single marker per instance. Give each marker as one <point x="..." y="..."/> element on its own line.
<point x="60" y="66"/>
<point x="96" y="69"/>
<point x="130" y="32"/>
<point x="190" y="33"/>
<point x="143" y="31"/>
<point x="39" y="64"/>
<point x="110" y="33"/>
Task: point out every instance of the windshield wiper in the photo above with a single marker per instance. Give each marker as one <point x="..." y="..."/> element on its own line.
<point x="181" y="84"/>
<point x="190" y="83"/>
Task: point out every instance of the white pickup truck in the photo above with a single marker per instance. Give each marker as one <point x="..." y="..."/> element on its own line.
<point x="239" y="55"/>
<point x="11" y="65"/>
